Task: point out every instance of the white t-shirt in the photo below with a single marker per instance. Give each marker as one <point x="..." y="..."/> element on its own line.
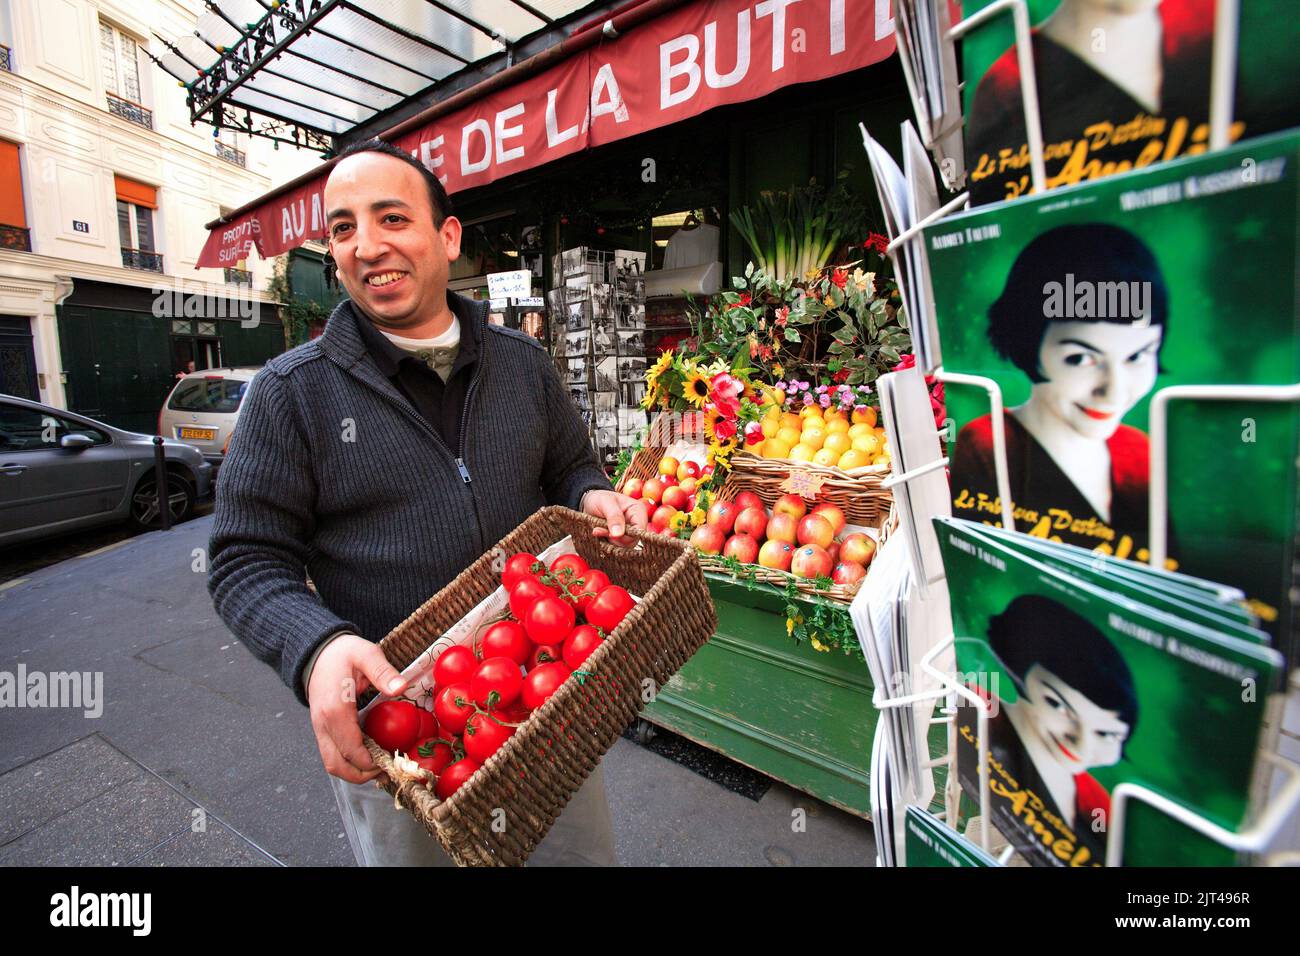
<point x="692" y="247"/>
<point x="439" y="352"/>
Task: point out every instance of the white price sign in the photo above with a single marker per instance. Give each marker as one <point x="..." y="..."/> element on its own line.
<point x="510" y="285"/>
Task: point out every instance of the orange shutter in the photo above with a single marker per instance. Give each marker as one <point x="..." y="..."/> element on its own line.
<point x="128" y="190"/>
<point x="11" y="187"/>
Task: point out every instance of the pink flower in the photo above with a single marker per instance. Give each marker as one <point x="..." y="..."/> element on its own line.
<point x="725" y="385"/>
<point x="905" y="362"/>
<point x="824" y="401"/>
<point x="753" y="433"/>
<point x="724" y="429"/>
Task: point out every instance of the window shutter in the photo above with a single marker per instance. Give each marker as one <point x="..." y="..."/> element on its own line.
<point x="11" y="187"/>
<point x="138" y="194"/>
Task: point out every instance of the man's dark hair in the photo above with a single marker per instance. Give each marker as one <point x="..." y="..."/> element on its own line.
<point x="1038" y="630"/>
<point x="438" y="197"/>
<point x="1093" y="253"/>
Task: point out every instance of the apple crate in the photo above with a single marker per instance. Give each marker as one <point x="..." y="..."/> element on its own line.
<point x="860" y="494"/>
<point x="866" y="517"/>
<point x="535" y="773"/>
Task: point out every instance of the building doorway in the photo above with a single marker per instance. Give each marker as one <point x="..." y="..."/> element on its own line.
<point x="17" y="358"/>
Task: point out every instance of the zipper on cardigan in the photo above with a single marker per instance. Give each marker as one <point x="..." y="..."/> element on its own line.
<point x="464" y="472"/>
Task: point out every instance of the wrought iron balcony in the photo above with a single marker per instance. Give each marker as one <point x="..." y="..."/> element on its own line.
<point x="231" y="155"/>
<point x="15" y="237"/>
<point x="140" y="259"/>
<point x="131" y="112"/>
<point x="239" y="276"/>
<point x="6" y="59"/>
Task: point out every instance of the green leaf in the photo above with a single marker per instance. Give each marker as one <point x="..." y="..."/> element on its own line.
<point x="844" y="334"/>
<point x="792" y="335"/>
<point x="890" y="355"/>
<point x="856" y="378"/>
<point x="738" y="283"/>
<point x="749" y="270"/>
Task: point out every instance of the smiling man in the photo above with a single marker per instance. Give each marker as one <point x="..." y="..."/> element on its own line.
<point x="382" y="459"/>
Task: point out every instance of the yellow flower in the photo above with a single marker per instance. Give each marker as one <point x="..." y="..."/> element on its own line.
<point x="677" y="521"/>
<point x="829" y="301"/>
<point x="698" y="517"/>
<point x="811" y="275"/>
<point x="790" y="622"/>
<point x="865" y="281"/>
<point x="778" y="370"/>
<point x="695" y="389"/>
<point x="818" y="645"/>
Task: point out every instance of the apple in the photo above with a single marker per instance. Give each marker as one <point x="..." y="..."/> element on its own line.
<point x="781" y="527"/>
<point x="670" y="481"/>
<point x="752" y="521"/>
<point x="706" y="471"/>
<point x="833" y="514"/>
<point x="811" y="561"/>
<point x="653" y="490"/>
<point x="632" y="487"/>
<point x="847" y="572"/>
<point x="723" y="514"/>
<point x="858" y="548"/>
<point x="747" y="499"/>
<point x="690" y="502"/>
<point x="814" y="529"/>
<point x="776" y="554"/>
<point x="674" y="497"/>
<point x="663" y="514"/>
<point x="708" y="539"/>
<point x="742" y="547"/>
<point x="833" y="549"/>
<point x="689" y="485"/>
<point x="687" y="469"/>
<point x="668" y="466"/>
<point x="791" y="505"/>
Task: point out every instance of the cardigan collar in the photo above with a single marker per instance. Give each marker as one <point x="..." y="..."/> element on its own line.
<point x="343" y="341"/>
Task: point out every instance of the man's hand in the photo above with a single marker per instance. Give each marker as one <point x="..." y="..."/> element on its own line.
<point x="347" y="667"/>
<point x="618" y="512"/>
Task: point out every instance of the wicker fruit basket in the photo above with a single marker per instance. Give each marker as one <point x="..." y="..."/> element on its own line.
<point x="537" y="771"/>
<point x="858" y="493"/>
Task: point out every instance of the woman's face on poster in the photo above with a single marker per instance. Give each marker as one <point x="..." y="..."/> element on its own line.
<point x="1095" y="372"/>
<point x="1075" y="731"/>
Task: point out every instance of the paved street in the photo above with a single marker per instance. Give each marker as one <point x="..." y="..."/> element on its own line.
<point x="202" y="757"/>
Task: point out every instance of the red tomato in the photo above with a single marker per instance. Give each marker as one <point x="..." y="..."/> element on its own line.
<point x="584" y="590"/>
<point x="580" y="644"/>
<point x="609" y="608"/>
<point x="525" y="593"/>
<point x="499" y="676"/>
<point x="573" y="563"/>
<point x="454" y="666"/>
<point x="452" y="778"/>
<point x="393" y="724"/>
<point x="484" y="737"/>
<point x="541" y="683"/>
<point x="518" y="567"/>
<point x="428" y="723"/>
<point x="506" y="639"/>
<point x="452" y="707"/>
<point x="544" y="654"/>
<point x="516" y="713"/>
<point x="432" y="755"/>
<point x="549" y="620"/>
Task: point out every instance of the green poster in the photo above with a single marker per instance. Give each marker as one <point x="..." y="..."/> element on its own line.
<point x="1090" y="689"/>
<point x="1121" y="85"/>
<point x="1083" y="303"/>
<point x="930" y="843"/>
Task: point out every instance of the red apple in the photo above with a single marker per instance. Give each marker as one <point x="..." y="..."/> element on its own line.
<point x="782" y="527"/>
<point x="791" y="505"/>
<point x="670" y="481"/>
<point x="833" y="514"/>
<point x="663" y="514"/>
<point x="776" y="554"/>
<point x="814" y="529"/>
<point x="668" y="466"/>
<point x="723" y="514"/>
<point x="747" y="499"/>
<point x="689" y="485"/>
<point x="742" y="547"/>
<point x="653" y="490"/>
<point x="847" y="572"/>
<point x="833" y="549"/>
<point x="752" y="521"/>
<point x="632" y="487"/>
<point x="858" y="548"/>
<point x="706" y="471"/>
<point x="674" y="497"/>
<point x="811" y="561"/>
<point x="690" y="503"/>
<point x="708" y="538"/>
<point x="687" y="469"/>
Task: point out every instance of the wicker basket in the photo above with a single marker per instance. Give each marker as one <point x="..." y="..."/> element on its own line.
<point x="644" y="464"/>
<point x="543" y="764"/>
<point x="858" y="493"/>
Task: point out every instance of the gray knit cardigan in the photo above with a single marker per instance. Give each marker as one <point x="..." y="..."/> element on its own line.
<point x="332" y="472"/>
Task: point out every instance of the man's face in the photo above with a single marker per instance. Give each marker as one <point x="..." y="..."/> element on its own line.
<point x="391" y="258"/>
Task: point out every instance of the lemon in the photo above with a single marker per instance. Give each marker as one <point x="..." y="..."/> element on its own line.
<point x="756" y="448"/>
<point x="790" y="436"/>
<point x="826" y="457"/>
<point x="867" y="444"/>
<point x="791" y="420"/>
<point x="860" y="428"/>
<point x="865" y="416"/>
<point x="770" y="427"/>
<point x="837" y="425"/>
<point x="835" y="415"/>
<point x="775" y="448"/>
<point x="811" y="411"/>
<point x="880" y="460"/>
<point x="778" y="397"/>
<point x="853" y="458"/>
<point x="837" y="442"/>
<point x="813" y="437"/>
<point x="802" y="452"/>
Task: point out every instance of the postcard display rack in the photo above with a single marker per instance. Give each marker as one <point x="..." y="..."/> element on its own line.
<point x="932" y="680"/>
<point x="597" y="308"/>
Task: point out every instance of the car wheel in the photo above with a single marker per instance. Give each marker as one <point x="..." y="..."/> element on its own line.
<point x="144" y="502"/>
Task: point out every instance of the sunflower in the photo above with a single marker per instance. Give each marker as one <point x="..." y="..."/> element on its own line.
<point x="652" y="374"/>
<point x="695" y="387"/>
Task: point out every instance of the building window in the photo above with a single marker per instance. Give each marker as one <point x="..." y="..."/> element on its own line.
<point x="13" y="215"/>
<point x="120" y="65"/>
<point x="230" y="151"/>
<point x="136" y="203"/>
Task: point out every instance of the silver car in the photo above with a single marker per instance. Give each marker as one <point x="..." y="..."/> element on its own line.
<point x="202" y="409"/>
<point x="60" y="471"/>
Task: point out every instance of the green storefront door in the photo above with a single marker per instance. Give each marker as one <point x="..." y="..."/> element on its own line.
<point x="117" y="363"/>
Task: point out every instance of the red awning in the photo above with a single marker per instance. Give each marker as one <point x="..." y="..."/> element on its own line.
<point x="691" y="59"/>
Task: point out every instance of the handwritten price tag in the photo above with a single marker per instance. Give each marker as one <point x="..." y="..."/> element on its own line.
<point x="803" y="483"/>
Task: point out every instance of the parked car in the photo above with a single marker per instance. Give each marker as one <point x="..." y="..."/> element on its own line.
<point x="202" y="409"/>
<point x="60" y="472"/>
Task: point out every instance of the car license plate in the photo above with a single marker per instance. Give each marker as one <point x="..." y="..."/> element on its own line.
<point x="202" y="434"/>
